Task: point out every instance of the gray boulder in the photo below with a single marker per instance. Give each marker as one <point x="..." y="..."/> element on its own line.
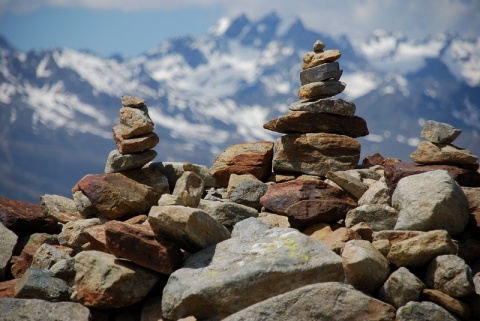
<point x="423" y="311"/>
<point x="227" y="213"/>
<point x="248" y="193"/>
<point x="440" y="133"/>
<point x="401" y="287"/>
<point x="40" y="284"/>
<point x="379" y="217"/>
<point x="41" y="310"/>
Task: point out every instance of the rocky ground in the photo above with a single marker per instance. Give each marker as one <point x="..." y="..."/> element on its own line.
<point x="297" y="229"/>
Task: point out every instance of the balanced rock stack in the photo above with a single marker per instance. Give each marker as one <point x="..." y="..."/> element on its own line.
<point x="134" y="137"/>
<point x="319" y="130"/>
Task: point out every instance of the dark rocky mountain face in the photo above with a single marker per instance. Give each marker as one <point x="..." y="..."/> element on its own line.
<point x="204" y="94"/>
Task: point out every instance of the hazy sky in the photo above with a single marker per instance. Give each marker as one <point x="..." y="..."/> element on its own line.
<point x="131" y="27"/>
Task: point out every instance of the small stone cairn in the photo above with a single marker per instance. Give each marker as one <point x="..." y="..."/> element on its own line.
<point x="134" y="137"/>
<point x="319" y="130"/>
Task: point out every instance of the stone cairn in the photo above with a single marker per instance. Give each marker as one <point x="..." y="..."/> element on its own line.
<point x="134" y="137"/>
<point x="319" y="130"/>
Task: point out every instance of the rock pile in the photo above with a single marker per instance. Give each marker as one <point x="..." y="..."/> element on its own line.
<point x="134" y="137"/>
<point x="319" y="130"/>
<point x="169" y="241"/>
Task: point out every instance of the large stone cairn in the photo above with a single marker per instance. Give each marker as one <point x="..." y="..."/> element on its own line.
<point x="134" y="137"/>
<point x="319" y="130"/>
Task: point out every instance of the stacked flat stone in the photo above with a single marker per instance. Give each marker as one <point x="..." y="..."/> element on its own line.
<point x="438" y="148"/>
<point x="319" y="130"/>
<point x="134" y="137"/>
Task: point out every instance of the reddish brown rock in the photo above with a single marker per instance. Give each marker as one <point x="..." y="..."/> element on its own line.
<point x="125" y="194"/>
<point x="315" y="154"/>
<point x="139" y="219"/>
<point x="375" y="159"/>
<point x="451" y="304"/>
<point x="336" y="241"/>
<point x="310" y="122"/>
<point x="396" y="171"/>
<point x="246" y="158"/>
<point x="24" y="218"/>
<point x="124" y="240"/>
<point x="95" y="235"/>
<point x="7" y="288"/>
<point x="312" y="59"/>
<point x="135" y="144"/>
<point x="323" y="89"/>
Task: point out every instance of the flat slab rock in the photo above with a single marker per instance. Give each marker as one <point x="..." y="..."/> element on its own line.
<point x="430" y="153"/>
<point x="321" y="89"/>
<point x="326" y="105"/>
<point x="310" y="122"/>
<point x="247" y="270"/>
<point x="315" y="154"/>
<point x="339" y="302"/>
<point x="329" y="70"/>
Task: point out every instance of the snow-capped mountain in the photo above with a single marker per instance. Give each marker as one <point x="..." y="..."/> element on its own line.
<point x="57" y="106"/>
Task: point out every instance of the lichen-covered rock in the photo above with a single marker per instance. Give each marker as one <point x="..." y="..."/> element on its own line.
<point x="423" y="311"/>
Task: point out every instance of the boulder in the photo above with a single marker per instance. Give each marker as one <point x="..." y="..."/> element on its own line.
<point x="59" y="208"/>
<point x="365" y="267"/>
<point x="124" y="241"/>
<point x="40" y="284"/>
<point x="189" y="189"/>
<point x="122" y="195"/>
<point x="41" y="310"/>
<point x="339" y="302"/>
<point x="421" y="249"/>
<point x="451" y="275"/>
<point x="104" y="282"/>
<point x="321" y="89"/>
<point x="8" y="240"/>
<point x="326" y="105"/>
<point x="248" y="193"/>
<point x="227" y="213"/>
<point x="315" y="153"/>
<point x="450" y="304"/>
<point x="430" y="153"/>
<point x="325" y="71"/>
<point x="423" y="311"/>
<point x="379" y="217"/>
<point x="191" y="228"/>
<point x="401" y="287"/>
<point x="247" y="270"/>
<point x="247" y="158"/>
<point x="249" y="226"/>
<point x="24" y="218"/>
<point x="117" y="162"/>
<point x="429" y="201"/>
<point x="440" y="133"/>
<point x="311" y="122"/>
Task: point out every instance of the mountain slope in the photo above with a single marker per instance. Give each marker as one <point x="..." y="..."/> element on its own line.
<point x="57" y="106"/>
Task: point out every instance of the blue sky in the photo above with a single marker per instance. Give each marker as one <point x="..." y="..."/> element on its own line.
<point x="132" y="27"/>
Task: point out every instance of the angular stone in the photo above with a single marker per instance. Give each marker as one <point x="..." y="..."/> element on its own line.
<point x="227" y="213"/>
<point x="395" y="236"/>
<point x="117" y="162"/>
<point x="401" y="287"/>
<point x="73" y="232"/>
<point x="419" y="250"/>
<point x="327" y="106"/>
<point x="252" y="268"/>
<point x="95" y="235"/>
<point x="312" y="59"/>
<point x="315" y="153"/>
<point x="132" y="101"/>
<point x="189" y="188"/>
<point x="430" y="153"/>
<point x="65" y="270"/>
<point x="47" y="255"/>
<point x="378" y="216"/>
<point x="104" y="282"/>
<point x="395" y="172"/>
<point x="440" y="133"/>
<point x="340" y="302"/>
<point x="318" y="46"/>
<point x="236" y="180"/>
<point x="309" y="122"/>
<point x="134" y="122"/>
<point x="247" y="158"/>
<point x="24" y="218"/>
<point x="430" y="201"/>
<point x="321" y="89"/>
<point x="451" y="275"/>
<point x="364" y="230"/>
<point x="450" y="304"/>
<point x="249" y="227"/>
<point x="423" y="311"/>
<point x="120" y="195"/>
<point x="248" y="193"/>
<point x="173" y="171"/>
<point x="8" y="240"/>
<point x="191" y="228"/>
<point x="318" y="231"/>
<point x="27" y="247"/>
<point x="365" y="267"/>
<point x="336" y="240"/>
<point x="136" y="144"/>
<point x="41" y="310"/>
<point x="349" y="183"/>
<point x="473" y="196"/>
<point x="7" y="289"/>
<point x="320" y="73"/>
<point x="40" y="284"/>
<point x="274" y="220"/>
<point x="60" y="208"/>
<point x="124" y="241"/>
<point x="375" y="159"/>
<point x="377" y="193"/>
<point x="169" y="199"/>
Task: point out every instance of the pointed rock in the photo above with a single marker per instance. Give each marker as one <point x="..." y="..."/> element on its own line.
<point x="439" y="133"/>
<point x="189" y="189"/>
<point x="315" y="153"/>
<point x="312" y="59"/>
<point x="327" y="106"/>
<point x="309" y="122"/>
<point x="321" y="89"/>
<point x="133" y="122"/>
<point x="321" y="72"/>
